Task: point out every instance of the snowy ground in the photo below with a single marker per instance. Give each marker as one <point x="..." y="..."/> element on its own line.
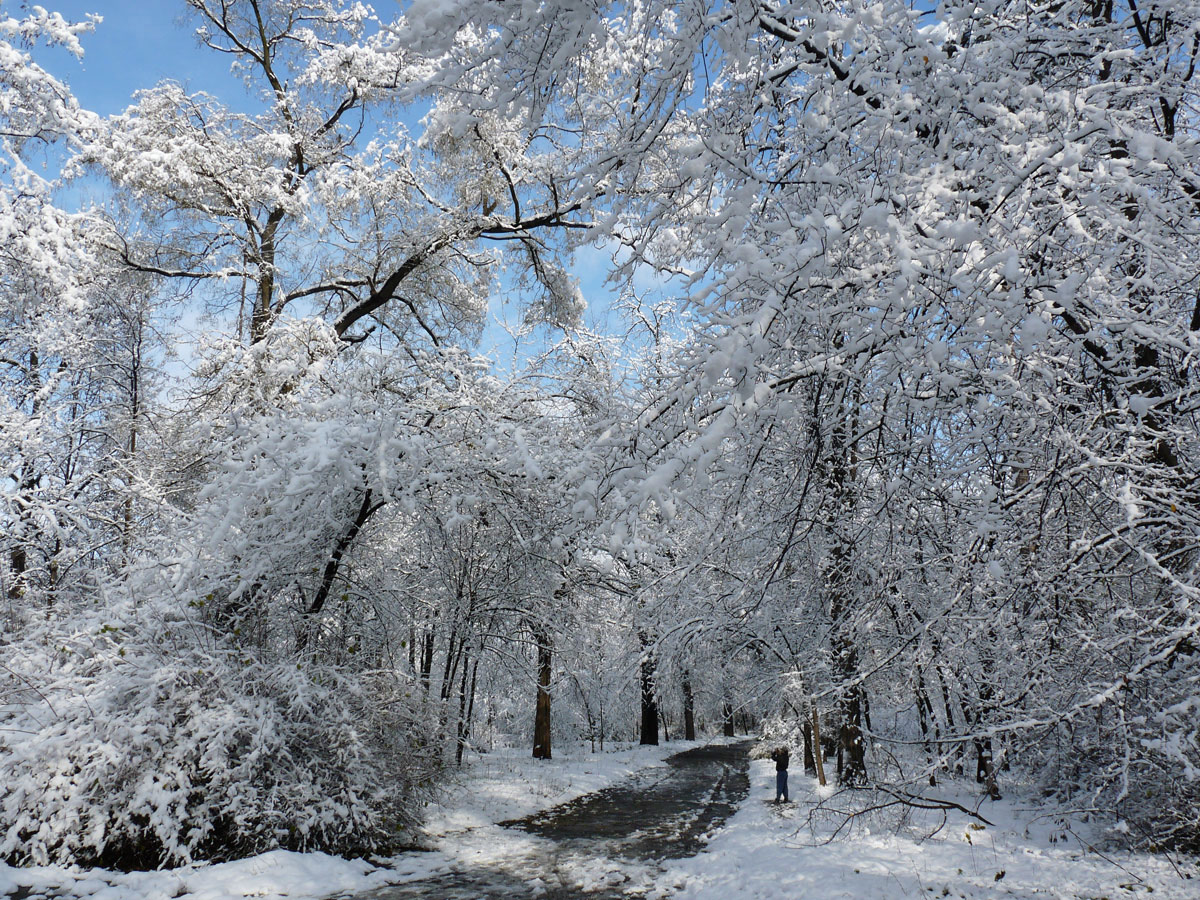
<point x="772" y="853"/>
<point x="764" y="853"/>
<point x="503" y="784"/>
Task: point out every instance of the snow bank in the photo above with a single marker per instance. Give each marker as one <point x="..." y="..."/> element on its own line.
<point x="501" y="785"/>
<point x="277" y="874"/>
<point x="769" y="852"/>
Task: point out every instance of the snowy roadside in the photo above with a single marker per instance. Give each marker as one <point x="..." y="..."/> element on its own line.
<point x="508" y="785"/>
<point x="501" y="785"/>
<point x="767" y="852"/>
<point x="764" y="852"/>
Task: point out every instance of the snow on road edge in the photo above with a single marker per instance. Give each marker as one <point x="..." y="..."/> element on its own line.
<point x="492" y="787"/>
<point x="768" y="852"/>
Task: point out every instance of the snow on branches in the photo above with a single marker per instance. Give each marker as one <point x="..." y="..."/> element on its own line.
<point x="913" y="455"/>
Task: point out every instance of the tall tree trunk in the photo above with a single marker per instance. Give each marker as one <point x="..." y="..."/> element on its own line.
<point x="18" y="556"/>
<point x="264" y="312"/>
<point x="461" y="742"/>
<point x="649" y="702"/>
<point x="130" y="456"/>
<point x="427" y="659"/>
<point x="985" y="768"/>
<point x="954" y="752"/>
<point x="818" y="752"/>
<point x="926" y="718"/>
<point x="471" y="701"/>
<point x="18" y="562"/>
<point x="810" y="763"/>
<point x="727" y="711"/>
<point x="136" y="351"/>
<point x="839" y="587"/>
<point x="450" y="669"/>
<point x="850" y="741"/>
<point x="689" y="710"/>
<point x="541" y="716"/>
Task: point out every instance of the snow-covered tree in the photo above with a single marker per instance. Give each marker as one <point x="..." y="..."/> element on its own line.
<point x="919" y="438"/>
<point x="947" y="255"/>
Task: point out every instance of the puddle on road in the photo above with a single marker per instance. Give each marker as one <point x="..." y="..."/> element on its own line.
<point x="664" y="812"/>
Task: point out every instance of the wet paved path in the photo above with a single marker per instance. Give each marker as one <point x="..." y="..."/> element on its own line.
<point x="618" y="834"/>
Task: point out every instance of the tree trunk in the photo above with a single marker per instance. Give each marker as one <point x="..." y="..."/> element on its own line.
<point x="818" y="755"/>
<point x="810" y="764"/>
<point x="18" y="562"/>
<point x="426" y="659"/>
<point x="264" y="312"/>
<point x="957" y="750"/>
<point x="19" y="555"/>
<point x="131" y="449"/>
<point x="471" y="702"/>
<point x="454" y="649"/>
<point x="727" y="711"/>
<point x="541" y="716"/>
<point x="925" y="715"/>
<point x="649" y="702"/>
<point x="841" y="590"/>
<point x="985" y="767"/>
<point x="850" y="740"/>
<point x="461" y="743"/>
<point x="689" y="710"/>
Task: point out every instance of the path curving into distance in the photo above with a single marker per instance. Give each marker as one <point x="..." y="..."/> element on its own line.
<point x="606" y="845"/>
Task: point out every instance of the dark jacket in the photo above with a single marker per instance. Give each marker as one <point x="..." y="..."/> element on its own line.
<point x="781" y="759"/>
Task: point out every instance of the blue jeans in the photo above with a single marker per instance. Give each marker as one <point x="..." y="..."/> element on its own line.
<point x="781" y="786"/>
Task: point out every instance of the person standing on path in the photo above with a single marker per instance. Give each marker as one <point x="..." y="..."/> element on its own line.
<point x="780" y="755"/>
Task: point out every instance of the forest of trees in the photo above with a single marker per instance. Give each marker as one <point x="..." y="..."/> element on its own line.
<point x="900" y="442"/>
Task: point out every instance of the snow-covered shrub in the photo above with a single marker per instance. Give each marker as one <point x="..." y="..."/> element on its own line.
<point x="144" y="740"/>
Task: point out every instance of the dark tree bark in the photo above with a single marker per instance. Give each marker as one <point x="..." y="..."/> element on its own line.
<point x="135" y="415"/>
<point x="810" y="763"/>
<point x="649" y="700"/>
<point x="426" y="672"/>
<point x="541" y="717"/>
<point x="818" y="755"/>
<point x="839" y="587"/>
<point x="985" y="769"/>
<point x="18" y="562"/>
<point x="689" y="710"/>
<point x="727" y="711"/>
<point x="926" y="717"/>
<point x="464" y="712"/>
<point x="852" y="762"/>
<point x="447" y="671"/>
<point x="18" y="556"/>
<point x="471" y="701"/>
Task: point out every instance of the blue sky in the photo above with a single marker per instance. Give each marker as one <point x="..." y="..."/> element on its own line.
<point x="139" y="44"/>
